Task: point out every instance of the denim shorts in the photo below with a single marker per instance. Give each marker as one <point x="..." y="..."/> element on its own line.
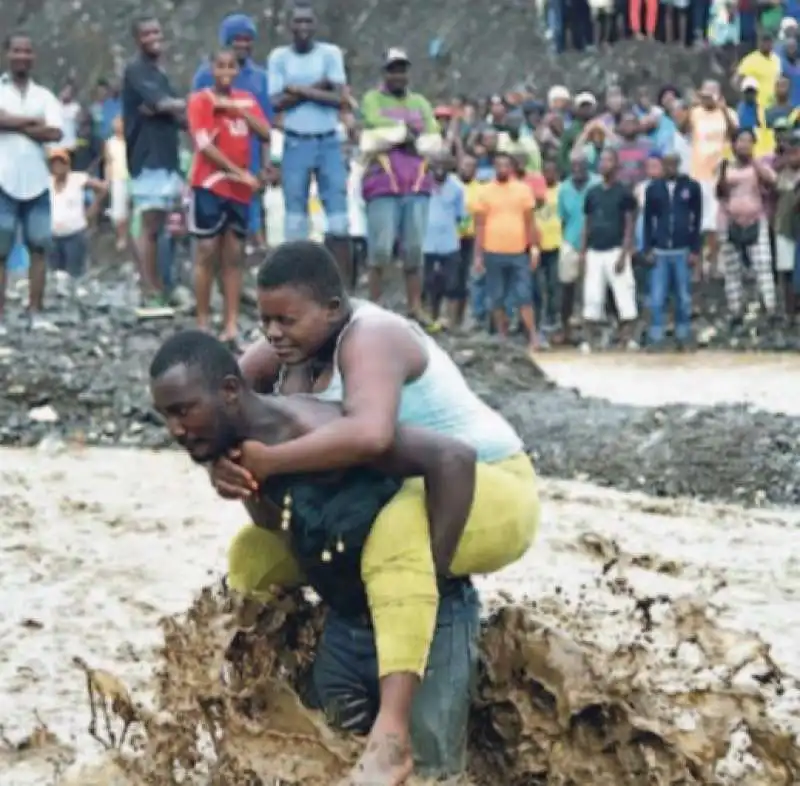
<point x="68" y="253"/>
<point x="211" y="215"/>
<point x="508" y="280"/>
<point x="397" y="222"/>
<point x="156" y="189"/>
<point x="345" y="681"/>
<point x="28" y="218"/>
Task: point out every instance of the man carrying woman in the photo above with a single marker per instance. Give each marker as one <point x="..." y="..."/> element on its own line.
<point x="385" y="372"/>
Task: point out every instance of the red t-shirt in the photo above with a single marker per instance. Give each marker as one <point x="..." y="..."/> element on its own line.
<point x="229" y="133"/>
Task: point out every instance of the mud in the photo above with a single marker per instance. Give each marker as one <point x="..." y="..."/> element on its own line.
<point x="635" y="662"/>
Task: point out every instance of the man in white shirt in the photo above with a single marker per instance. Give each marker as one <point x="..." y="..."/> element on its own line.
<point x="30" y="119"/>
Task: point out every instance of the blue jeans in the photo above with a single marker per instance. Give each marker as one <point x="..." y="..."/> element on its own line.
<point x="68" y="253"/>
<point x="319" y="155"/>
<point x="29" y="218"/>
<point x="346" y="688"/>
<point x="508" y="280"/>
<point x="671" y="269"/>
<point x="397" y="220"/>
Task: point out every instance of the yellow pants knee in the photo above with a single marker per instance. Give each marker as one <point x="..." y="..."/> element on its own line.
<point x="397" y="564"/>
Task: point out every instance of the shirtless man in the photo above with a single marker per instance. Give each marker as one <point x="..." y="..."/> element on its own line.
<point x="198" y="387"/>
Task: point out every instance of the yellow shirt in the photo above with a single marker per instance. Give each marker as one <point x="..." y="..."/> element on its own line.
<point x="765" y="137"/>
<point x="548" y="222"/>
<point x="471" y="191"/>
<point x="765" y="69"/>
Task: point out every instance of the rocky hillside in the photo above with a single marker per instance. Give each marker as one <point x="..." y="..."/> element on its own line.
<point x="480" y="46"/>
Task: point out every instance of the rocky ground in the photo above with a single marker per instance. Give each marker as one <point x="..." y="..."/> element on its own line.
<point x="86" y="382"/>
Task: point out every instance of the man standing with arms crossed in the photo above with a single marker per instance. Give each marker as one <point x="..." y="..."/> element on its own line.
<point x="30" y="117"/>
<point x="222" y="122"/>
<point x="306" y="82"/>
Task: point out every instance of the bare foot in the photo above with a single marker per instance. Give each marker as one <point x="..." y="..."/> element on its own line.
<point x="386" y="761"/>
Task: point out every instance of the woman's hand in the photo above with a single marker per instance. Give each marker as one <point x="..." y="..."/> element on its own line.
<point x="231" y="479"/>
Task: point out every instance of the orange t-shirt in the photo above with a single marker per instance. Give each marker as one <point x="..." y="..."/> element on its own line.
<point x="506" y="209"/>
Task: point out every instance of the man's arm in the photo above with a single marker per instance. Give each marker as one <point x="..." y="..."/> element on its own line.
<point x="154" y="99"/>
<point x="47" y="129"/>
<point x="200" y="114"/>
<point x="331" y="91"/>
<point x="280" y="99"/>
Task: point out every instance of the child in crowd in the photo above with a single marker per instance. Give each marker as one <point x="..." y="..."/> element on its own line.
<point x="116" y="169"/>
<point x="545" y="284"/>
<point x="68" y="211"/>
<point x="445" y="277"/>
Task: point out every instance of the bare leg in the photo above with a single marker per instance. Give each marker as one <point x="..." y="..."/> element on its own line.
<point x="147" y="252"/>
<point x="413" y="291"/>
<point x="375" y="283"/>
<point x="205" y="251"/>
<point x="231" y="274"/>
<point x="37" y="277"/>
<point x="387" y="759"/>
<point x="529" y="321"/>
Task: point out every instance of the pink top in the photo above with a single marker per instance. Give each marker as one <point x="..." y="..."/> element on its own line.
<point x="745" y="202"/>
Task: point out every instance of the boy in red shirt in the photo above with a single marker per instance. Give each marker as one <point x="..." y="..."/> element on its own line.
<point x="221" y="122"/>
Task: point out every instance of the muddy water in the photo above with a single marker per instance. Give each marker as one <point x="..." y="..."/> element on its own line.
<point x="765" y="381"/>
<point x="638" y="636"/>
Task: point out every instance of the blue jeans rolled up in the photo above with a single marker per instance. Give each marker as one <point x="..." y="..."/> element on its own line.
<point x="671" y="274"/>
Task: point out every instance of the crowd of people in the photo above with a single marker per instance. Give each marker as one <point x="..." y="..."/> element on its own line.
<point x="519" y="211"/>
<point x="515" y="214"/>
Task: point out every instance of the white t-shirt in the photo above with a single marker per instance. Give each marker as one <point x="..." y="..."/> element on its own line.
<point x="68" y="206"/>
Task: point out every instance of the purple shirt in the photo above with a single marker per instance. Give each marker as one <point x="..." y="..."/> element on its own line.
<point x="632" y="157"/>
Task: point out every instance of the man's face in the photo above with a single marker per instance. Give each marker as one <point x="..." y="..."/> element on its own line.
<point x="440" y="169"/>
<point x="584" y="110"/>
<point x="782" y="87"/>
<point x="303" y="25"/>
<point x="201" y="421"/>
<point x="579" y="170"/>
<point x="497" y="109"/>
<point x="550" y="172"/>
<point x="20" y="55"/>
<point x="151" y="38"/>
<point x="607" y="163"/>
<point x="503" y="167"/>
<point x="765" y="45"/>
<point x="225" y="69"/>
<point x="628" y="126"/>
<point x="654" y="168"/>
<point x="749" y="96"/>
<point x="467" y="168"/>
<point x="614" y="101"/>
<point x="396" y="76"/>
<point x="643" y="98"/>
<point x="242" y="46"/>
<point x="790" y="46"/>
<point x="671" y="163"/>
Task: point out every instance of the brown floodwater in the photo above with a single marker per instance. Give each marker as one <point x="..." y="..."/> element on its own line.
<point x="640" y="641"/>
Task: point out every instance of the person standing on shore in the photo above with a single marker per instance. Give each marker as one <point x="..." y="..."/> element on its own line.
<point x="238" y="31"/>
<point x="30" y="118"/>
<point x="152" y="115"/>
<point x="306" y="84"/>
<point x="222" y="122"/>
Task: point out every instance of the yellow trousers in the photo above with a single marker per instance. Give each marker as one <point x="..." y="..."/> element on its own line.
<point x="397" y="562"/>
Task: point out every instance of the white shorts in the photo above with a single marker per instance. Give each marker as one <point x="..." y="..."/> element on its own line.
<point x="710" y="207"/>
<point x="119" y="207"/>
<point x="600" y="275"/>
<point x="784" y="254"/>
<point x="569" y="264"/>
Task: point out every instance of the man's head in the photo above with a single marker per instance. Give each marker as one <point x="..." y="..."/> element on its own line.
<point x="765" y="43"/>
<point x="615" y="101"/>
<point x="743" y="142"/>
<point x="301" y="299"/>
<point x="396" y="70"/>
<point x="224" y="68"/>
<point x="467" y="167"/>
<point x="654" y="167"/>
<point x="101" y="90"/>
<point x="679" y="112"/>
<point x="607" y="165"/>
<point x="504" y="167"/>
<point x="585" y="105"/>
<point x="19" y="55"/>
<point x="579" y="168"/>
<point x="238" y="32"/>
<point x="790" y="47"/>
<point x="643" y="98"/>
<point x="628" y="126"/>
<point x="197" y="387"/>
<point x="303" y="24"/>
<point x="558" y="99"/>
<point x="709" y="94"/>
<point x="671" y="164"/>
<point x="667" y="97"/>
<point x="497" y="109"/>
<point x="550" y="171"/>
<point x="441" y="166"/>
<point x="149" y="36"/>
<point x="749" y="90"/>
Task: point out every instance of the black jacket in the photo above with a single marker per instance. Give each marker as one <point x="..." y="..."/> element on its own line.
<point x="673" y="222"/>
